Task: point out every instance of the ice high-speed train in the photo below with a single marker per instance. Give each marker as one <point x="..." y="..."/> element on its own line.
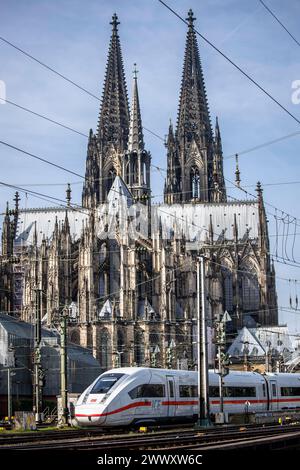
<point x="137" y="395"/>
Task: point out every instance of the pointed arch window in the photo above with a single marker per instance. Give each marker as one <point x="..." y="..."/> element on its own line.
<point x="139" y="348"/>
<point x="227" y="288"/>
<point x="110" y="179"/>
<point x="104" y="349"/>
<point x="250" y="288"/>
<point x="101" y="285"/>
<point x="128" y="173"/>
<point x="135" y="169"/>
<point x="195" y="182"/>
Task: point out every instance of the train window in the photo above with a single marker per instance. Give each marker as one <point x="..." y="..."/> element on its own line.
<point x="274" y="392"/>
<point x="290" y="391"/>
<point x="214" y="392"/>
<point x="105" y="382"/>
<point x="148" y="391"/>
<point x="188" y="390"/>
<point x="233" y="392"/>
<point x="171" y="388"/>
<point x="239" y="392"/>
<point x="264" y="390"/>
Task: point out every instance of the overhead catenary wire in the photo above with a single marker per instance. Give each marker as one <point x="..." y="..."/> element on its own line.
<point x="71" y="81"/>
<point x="159" y="208"/>
<point x="251" y="79"/>
<point x="161" y="138"/>
<point x="44" y="160"/>
<point x="42" y="116"/>
<point x="243" y="152"/>
<point x="280" y="22"/>
<point x="51" y="69"/>
<point x="83" y="89"/>
<point x="78" y="208"/>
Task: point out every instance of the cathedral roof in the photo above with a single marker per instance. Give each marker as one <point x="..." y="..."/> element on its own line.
<point x="259" y="341"/>
<point x="118" y="193"/>
<point x="195" y="221"/>
<point x="246" y="343"/>
<point x="45" y="219"/>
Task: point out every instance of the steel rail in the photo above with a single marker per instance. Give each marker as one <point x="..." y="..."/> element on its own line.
<point x="167" y="440"/>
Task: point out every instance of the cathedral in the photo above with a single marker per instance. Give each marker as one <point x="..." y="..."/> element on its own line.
<point x="123" y="268"/>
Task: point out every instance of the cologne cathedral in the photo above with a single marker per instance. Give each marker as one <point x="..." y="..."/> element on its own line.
<point x="123" y="268"/>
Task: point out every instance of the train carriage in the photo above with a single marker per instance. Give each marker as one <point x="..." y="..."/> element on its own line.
<point x="137" y="395"/>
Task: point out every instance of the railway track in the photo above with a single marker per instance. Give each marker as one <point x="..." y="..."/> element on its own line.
<point x="57" y="434"/>
<point x="184" y="439"/>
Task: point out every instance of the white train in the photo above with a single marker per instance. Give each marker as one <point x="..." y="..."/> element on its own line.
<point x="137" y="395"/>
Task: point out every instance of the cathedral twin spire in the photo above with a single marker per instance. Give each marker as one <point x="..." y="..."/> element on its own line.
<point x="195" y="163"/>
<point x="113" y="123"/>
<point x="118" y="132"/>
<point x="136" y="138"/>
<point x="193" y="115"/>
<point x="116" y="124"/>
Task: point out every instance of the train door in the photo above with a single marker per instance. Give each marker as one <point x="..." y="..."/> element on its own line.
<point x="274" y="395"/>
<point x="171" y="390"/>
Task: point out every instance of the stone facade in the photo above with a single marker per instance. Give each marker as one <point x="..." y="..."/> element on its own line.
<point x="126" y="268"/>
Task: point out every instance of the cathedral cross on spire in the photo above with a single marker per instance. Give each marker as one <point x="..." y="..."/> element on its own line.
<point x="190" y="19"/>
<point x="115" y="22"/>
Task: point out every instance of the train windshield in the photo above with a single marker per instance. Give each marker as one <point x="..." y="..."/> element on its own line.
<point x="105" y="382"/>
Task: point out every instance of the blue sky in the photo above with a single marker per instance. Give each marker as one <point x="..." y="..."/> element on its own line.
<point x="73" y="36"/>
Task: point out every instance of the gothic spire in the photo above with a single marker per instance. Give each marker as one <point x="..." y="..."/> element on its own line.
<point x="136" y="138"/>
<point x="7" y="239"/>
<point x="68" y="195"/>
<point x="172" y="183"/>
<point x="218" y="134"/>
<point x="218" y="191"/>
<point x="193" y="116"/>
<point x="114" y="113"/>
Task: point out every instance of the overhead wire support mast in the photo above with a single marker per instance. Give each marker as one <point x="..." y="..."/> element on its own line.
<point x="64" y="368"/>
<point x="203" y="384"/>
<point x="38" y="374"/>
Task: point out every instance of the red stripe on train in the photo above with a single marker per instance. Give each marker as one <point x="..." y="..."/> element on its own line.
<point x="184" y="403"/>
<point x="242" y="402"/>
<point x="195" y="402"/>
<point x="118" y="410"/>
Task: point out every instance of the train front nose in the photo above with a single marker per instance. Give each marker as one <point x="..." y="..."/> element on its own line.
<point x="90" y="415"/>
